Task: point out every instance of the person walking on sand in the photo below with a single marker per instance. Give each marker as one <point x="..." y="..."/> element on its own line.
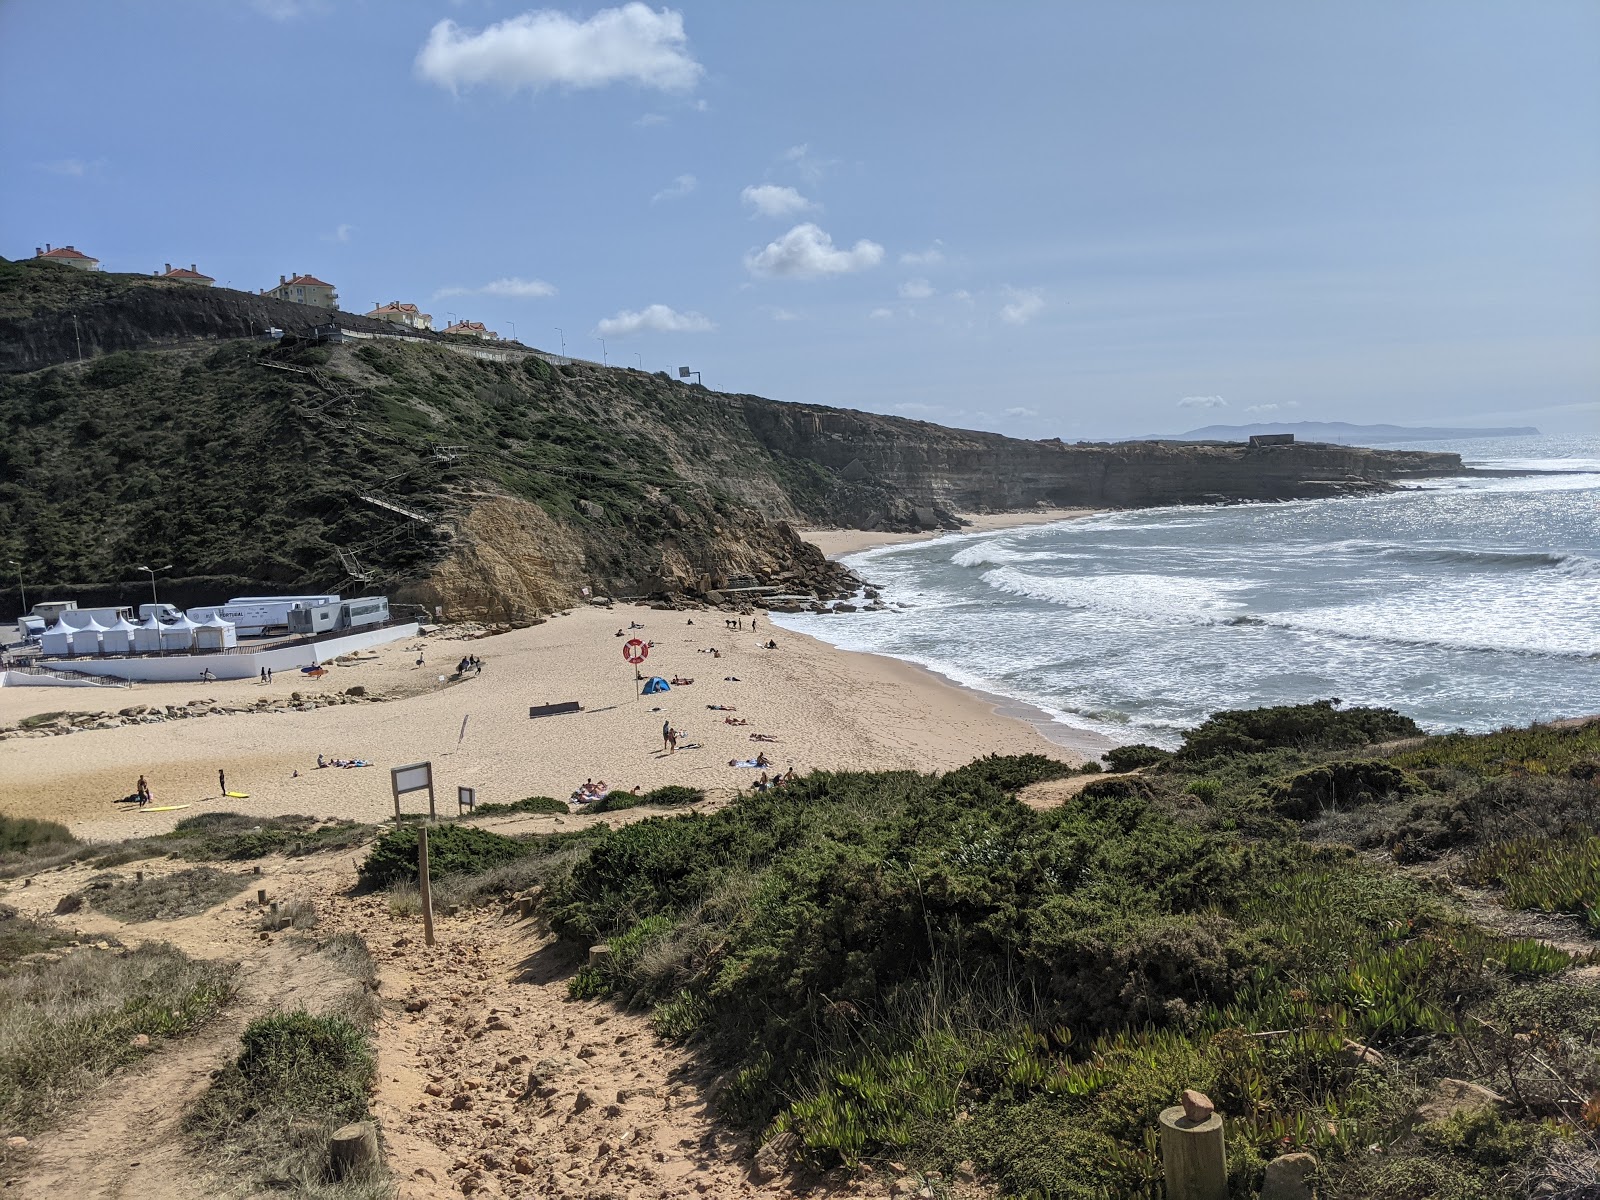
<point x="666" y="735"/>
<point x="672" y="740"/>
<point x="143" y="789"/>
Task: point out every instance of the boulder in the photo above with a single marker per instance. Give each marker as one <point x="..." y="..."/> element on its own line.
<point x="1451" y="1096"/>
<point x="1287" y="1178"/>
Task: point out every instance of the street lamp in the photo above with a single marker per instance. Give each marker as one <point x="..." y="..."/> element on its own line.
<point x="640" y="357"/>
<point x="20" y="587"/>
<point x="514" y="336"/>
<point x="152" y="571"/>
<point x="563" y="341"/>
<point x="603" y="361"/>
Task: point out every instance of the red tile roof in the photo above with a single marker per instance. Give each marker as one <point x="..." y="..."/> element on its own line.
<point x="65" y="252"/>
<point x="305" y="281"/>
<point x="184" y="273"/>
<point x="396" y="306"/>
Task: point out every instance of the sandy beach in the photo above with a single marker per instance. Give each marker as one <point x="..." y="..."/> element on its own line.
<point x="827" y="708"/>
<point x="836" y="543"/>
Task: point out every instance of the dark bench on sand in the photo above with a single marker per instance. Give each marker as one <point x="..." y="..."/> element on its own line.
<point x="554" y="710"/>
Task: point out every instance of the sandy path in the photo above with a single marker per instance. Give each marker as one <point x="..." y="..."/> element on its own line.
<point x="563" y="1098"/>
<point x="828" y="709"/>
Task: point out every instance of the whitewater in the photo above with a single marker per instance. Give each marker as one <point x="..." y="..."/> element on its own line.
<point x="1467" y="603"/>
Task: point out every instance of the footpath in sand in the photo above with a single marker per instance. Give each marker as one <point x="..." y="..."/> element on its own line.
<point x="825" y="708"/>
<point x="490" y="1081"/>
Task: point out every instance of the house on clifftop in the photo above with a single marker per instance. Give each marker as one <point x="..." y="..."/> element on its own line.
<point x="473" y="329"/>
<point x="189" y="274"/>
<point x="67" y="256"/>
<point x="397" y="313"/>
<point x="304" y="289"/>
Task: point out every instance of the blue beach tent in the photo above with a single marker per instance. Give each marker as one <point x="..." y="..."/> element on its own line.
<point x="656" y="684"/>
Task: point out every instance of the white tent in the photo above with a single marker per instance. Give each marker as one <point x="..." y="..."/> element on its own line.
<point x="179" y="635"/>
<point x="56" y="642"/>
<point x="147" y="636"/>
<point x="118" y="638"/>
<point x="86" y="640"/>
<point x="215" y="634"/>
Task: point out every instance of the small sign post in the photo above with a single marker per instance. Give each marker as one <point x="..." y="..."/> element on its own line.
<point x="413" y="777"/>
<point x="465" y="798"/>
<point x="425" y="885"/>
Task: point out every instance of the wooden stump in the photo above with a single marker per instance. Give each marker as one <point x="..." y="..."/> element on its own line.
<point x="353" y="1149"/>
<point x="1193" y="1156"/>
<point x="599" y="955"/>
<point x="261" y="896"/>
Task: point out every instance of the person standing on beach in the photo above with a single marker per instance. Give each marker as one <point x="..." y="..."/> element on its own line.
<point x="222" y="782"/>
<point x="143" y="789"/>
<point x="666" y="735"/>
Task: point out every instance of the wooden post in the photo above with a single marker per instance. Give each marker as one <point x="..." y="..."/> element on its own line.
<point x="1193" y="1156"/>
<point x="353" y="1149"/>
<point x="256" y="870"/>
<point x="261" y="896"/>
<point x="425" y="885"/>
<point x="138" y="876"/>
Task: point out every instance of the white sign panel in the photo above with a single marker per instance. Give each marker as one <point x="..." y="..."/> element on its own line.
<point x="413" y="778"/>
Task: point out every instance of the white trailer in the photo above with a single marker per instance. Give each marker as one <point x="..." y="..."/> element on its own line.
<point x="260" y="616"/>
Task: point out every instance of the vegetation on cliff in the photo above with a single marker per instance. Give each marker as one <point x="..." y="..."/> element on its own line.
<point x="921" y="967"/>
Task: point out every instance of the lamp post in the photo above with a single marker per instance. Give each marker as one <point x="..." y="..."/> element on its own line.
<point x="640" y="357"/>
<point x="563" y="341"/>
<point x="603" y="360"/>
<point x="514" y="336"/>
<point x="20" y="586"/>
<point x="152" y="571"/>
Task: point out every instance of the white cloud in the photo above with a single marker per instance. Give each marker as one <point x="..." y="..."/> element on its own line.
<point x="1202" y="402"/>
<point x="72" y="168"/>
<point x="930" y="257"/>
<point x="807" y="252"/>
<point x="510" y="288"/>
<point x="649" y="119"/>
<point x="677" y="189"/>
<point x="962" y="295"/>
<point x="771" y="200"/>
<point x="1022" y="412"/>
<point x="916" y="289"/>
<point x="783" y="314"/>
<point x="284" y="10"/>
<point x="810" y="167"/>
<point x="340" y="234"/>
<point x="657" y="318"/>
<point x="881" y="314"/>
<point x="1022" y="306"/>
<point x="632" y="44"/>
<point x="1271" y="408"/>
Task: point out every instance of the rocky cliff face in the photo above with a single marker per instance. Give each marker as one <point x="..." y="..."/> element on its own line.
<point x="497" y="489"/>
<point x="969" y="471"/>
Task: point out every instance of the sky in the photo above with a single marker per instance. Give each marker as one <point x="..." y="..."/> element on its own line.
<point x="1081" y="220"/>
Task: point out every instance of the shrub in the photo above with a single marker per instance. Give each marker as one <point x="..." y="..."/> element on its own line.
<point x="1319" y="790"/>
<point x="1132" y="758"/>
<point x="27" y="844"/>
<point x="533" y="804"/>
<point x="452" y="850"/>
<point x="1321" y="725"/>
<point x="670" y="796"/>
<point x="163" y="897"/>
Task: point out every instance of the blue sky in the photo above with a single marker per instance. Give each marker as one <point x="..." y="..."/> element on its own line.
<point x="1049" y="219"/>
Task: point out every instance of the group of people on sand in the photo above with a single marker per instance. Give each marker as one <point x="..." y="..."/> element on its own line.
<point x="777" y="781"/>
<point x="589" y="791"/>
<point x="471" y="663"/>
<point x="737" y="623"/>
<point x="341" y="762"/>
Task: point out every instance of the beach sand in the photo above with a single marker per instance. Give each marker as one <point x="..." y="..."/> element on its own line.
<point x="830" y="709"/>
<point x="836" y="543"/>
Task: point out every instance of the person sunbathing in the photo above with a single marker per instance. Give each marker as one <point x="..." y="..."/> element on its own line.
<point x="761" y="737"/>
<point x="734" y="721"/>
<point x="677" y="681"/>
<point x="723" y="707"/>
<point x="762" y="760"/>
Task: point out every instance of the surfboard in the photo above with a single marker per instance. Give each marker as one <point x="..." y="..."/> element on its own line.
<point x="237" y="795"/>
<point x="158" y="808"/>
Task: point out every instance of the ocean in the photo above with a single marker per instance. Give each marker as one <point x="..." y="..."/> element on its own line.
<point x="1465" y="603"/>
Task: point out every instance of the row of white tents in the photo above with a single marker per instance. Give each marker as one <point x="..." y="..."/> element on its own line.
<point x="183" y="636"/>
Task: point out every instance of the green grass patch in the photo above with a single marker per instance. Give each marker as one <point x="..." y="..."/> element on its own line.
<point x="671" y="796"/>
<point x="452" y="850"/>
<point x="542" y="805"/>
<point x="163" y="897"/>
<point x="67" y="1025"/>
<point x="27" y="844"/>
<point x="1543" y="874"/>
<point x="1537" y="750"/>
<point x="268" y="1117"/>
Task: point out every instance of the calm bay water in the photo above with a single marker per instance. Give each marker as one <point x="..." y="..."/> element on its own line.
<point x="1468" y="603"/>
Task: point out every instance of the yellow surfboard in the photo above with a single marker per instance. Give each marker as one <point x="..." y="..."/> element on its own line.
<point x="158" y="808"/>
<point x="237" y="795"/>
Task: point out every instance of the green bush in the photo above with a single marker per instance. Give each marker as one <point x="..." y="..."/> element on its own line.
<point x="533" y="804"/>
<point x="1321" y="725"/>
<point x="452" y="850"/>
<point x="1335" y="785"/>
<point x="1132" y="758"/>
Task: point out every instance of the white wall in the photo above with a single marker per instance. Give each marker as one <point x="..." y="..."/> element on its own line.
<point x="186" y="668"/>
<point x="23" y="679"/>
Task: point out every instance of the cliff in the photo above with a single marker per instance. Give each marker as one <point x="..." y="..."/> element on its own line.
<point x="490" y="481"/>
